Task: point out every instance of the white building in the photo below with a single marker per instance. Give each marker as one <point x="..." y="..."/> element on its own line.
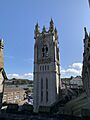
<point x="76" y="82"/>
<point x="46" y="67"/>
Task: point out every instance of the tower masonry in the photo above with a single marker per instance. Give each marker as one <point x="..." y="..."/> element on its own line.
<point x="47" y="81"/>
<point x="1" y="54"/>
<point x="86" y="64"/>
<point x="1" y="71"/>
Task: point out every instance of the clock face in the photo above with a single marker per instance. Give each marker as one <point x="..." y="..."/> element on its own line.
<point x="45" y="51"/>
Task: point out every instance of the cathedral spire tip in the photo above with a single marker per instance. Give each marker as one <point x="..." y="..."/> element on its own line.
<point x="55" y="29"/>
<point x="44" y="29"/>
<point x="86" y="34"/>
<point x="51" y="25"/>
<point x="51" y="20"/>
<point x="36" y="31"/>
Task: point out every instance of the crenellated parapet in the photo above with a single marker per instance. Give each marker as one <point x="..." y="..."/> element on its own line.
<point x="51" y="30"/>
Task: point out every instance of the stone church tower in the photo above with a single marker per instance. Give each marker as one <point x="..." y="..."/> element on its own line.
<point x="1" y="54"/>
<point x="86" y="64"/>
<point x="46" y="67"/>
<point x="1" y="71"/>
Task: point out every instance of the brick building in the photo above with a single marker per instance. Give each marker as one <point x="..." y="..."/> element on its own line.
<point x="13" y="95"/>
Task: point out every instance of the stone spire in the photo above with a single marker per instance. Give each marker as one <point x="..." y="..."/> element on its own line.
<point x="37" y="31"/>
<point x="56" y="34"/>
<point x="44" y="29"/>
<point x="86" y="64"/>
<point x="86" y="34"/>
<point x="1" y="53"/>
<point x="1" y="43"/>
<point x="51" y="28"/>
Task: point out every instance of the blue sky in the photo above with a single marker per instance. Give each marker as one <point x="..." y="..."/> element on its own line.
<point x="17" y="22"/>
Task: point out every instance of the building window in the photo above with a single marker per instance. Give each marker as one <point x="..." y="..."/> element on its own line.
<point x="46" y="96"/>
<point x="41" y="83"/>
<point x="40" y="68"/>
<point x="89" y="58"/>
<point x="45" y="51"/>
<point x="43" y="54"/>
<point x="46" y="83"/>
<point x="45" y="67"/>
<point x="89" y="45"/>
<point x="46" y="89"/>
<point x="41" y="95"/>
<point x="87" y="49"/>
<point x="41" y="89"/>
<point x="48" y="67"/>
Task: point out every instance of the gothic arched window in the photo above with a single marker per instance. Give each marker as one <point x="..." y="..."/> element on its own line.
<point x="46" y="89"/>
<point x="44" y="51"/>
<point x="46" y="83"/>
<point x="41" y="89"/>
<point x="89" y="58"/>
<point x="41" y="83"/>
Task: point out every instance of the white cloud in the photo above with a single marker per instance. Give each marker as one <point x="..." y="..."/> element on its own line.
<point x="13" y="75"/>
<point x="28" y="75"/>
<point x="22" y="76"/>
<point x="76" y="65"/>
<point x="72" y="70"/>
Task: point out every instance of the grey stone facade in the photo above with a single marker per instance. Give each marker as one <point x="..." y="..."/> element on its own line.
<point x="46" y="67"/>
<point x="1" y="71"/>
<point x="86" y="64"/>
